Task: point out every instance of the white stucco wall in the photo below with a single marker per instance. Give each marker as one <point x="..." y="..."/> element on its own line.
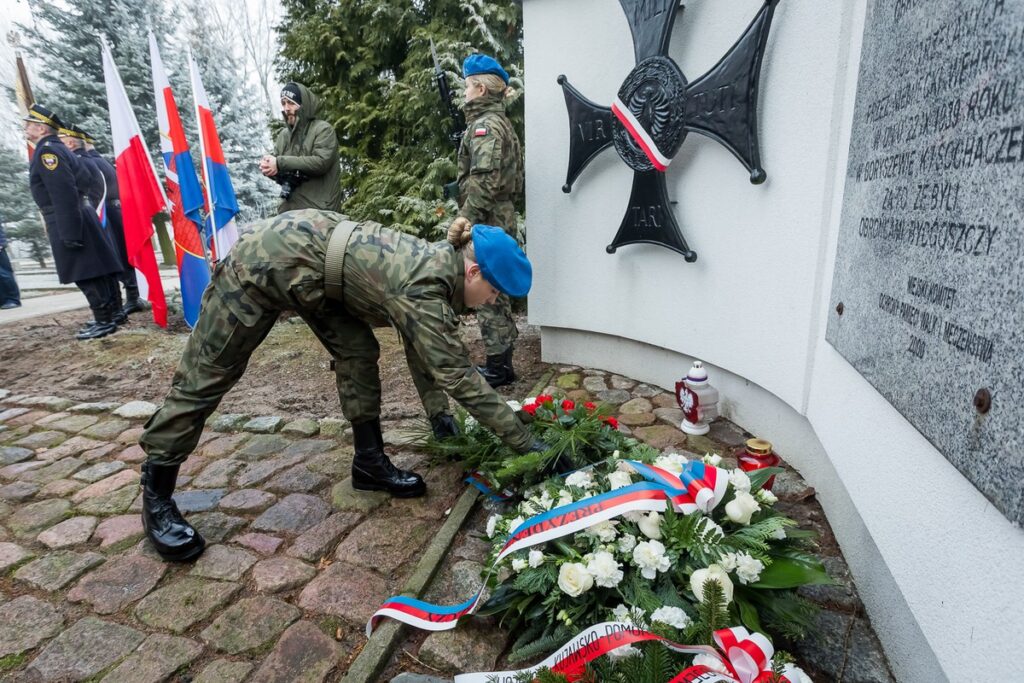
<point x="936" y="565"/>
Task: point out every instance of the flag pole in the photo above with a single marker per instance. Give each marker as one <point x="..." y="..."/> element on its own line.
<point x="207" y="171"/>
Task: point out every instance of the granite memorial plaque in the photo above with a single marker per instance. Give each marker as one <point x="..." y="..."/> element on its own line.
<point x="928" y="293"/>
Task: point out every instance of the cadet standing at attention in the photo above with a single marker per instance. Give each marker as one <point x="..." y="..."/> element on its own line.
<point x="490" y="182"/>
<point x="342" y="278"/>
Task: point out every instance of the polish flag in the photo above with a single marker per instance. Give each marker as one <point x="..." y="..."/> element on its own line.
<point x="220" y="194"/>
<point x="141" y="193"/>
<point x="183" y="191"/>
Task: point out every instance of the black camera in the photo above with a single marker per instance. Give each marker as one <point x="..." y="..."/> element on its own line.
<point x="288" y="181"/>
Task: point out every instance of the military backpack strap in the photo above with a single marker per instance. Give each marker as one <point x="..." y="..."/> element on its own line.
<point x="334" y="263"/>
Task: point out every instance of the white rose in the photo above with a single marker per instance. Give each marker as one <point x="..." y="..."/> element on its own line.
<point x="516" y="406"/>
<point x="574" y="580"/>
<point x="624" y="651"/>
<point x="715" y="573"/>
<point x="712" y="662"/>
<point x="673" y="616"/>
<point x="519" y="565"/>
<point x="618" y="480"/>
<point x="779" y="534"/>
<point x="492" y="523"/>
<point x="739" y="480"/>
<point x="741" y="508"/>
<point x="626" y="543"/>
<point x="581" y="479"/>
<point x="713" y="459"/>
<point x="650" y="525"/>
<point x="797" y="675"/>
<point x="672" y="462"/>
<point x="748" y="569"/>
<point x="650" y="557"/>
<point x="767" y="497"/>
<point x="603" y="531"/>
<point x="605" y="570"/>
<point x="536" y="558"/>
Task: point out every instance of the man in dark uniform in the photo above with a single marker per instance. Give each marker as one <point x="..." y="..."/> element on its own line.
<point x="59" y="182"/>
<point x="133" y="303"/>
<point x="10" y="296"/>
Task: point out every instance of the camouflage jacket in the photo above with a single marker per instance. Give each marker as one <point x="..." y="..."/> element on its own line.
<point x="390" y="278"/>
<point x="490" y="165"/>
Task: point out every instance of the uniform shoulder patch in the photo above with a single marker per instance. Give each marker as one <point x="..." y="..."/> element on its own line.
<point x="49" y="160"/>
<point x="480" y="131"/>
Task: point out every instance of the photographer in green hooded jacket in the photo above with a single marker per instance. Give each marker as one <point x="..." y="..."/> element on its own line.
<point x="305" y="159"/>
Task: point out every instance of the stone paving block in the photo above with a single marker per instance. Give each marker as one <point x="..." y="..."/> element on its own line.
<point x="635" y="406"/>
<point x="113" y="503"/>
<point x="301" y="427"/>
<point x="660" y="436"/>
<point x="12" y="554"/>
<point x="249" y="624"/>
<point x="594" y="384"/>
<point x="132" y="454"/>
<point x="100" y="470"/>
<point x="281" y="574"/>
<point x="264" y="544"/>
<point x="12" y="454"/>
<point x="384" y="542"/>
<point x="294" y="514"/>
<point x="26" y="622"/>
<point x="261" y="447"/>
<point x="107" y="430"/>
<point x="304" y="654"/>
<point x="620" y="382"/>
<point x="11" y="413"/>
<point x="665" y="401"/>
<point x="155" y="660"/>
<point x="269" y="424"/>
<point x="333" y="426"/>
<point x="105" y="486"/>
<point x="347" y="499"/>
<point x="298" y="479"/>
<point x="18" y="469"/>
<point x="84" y="650"/>
<point x="570" y="380"/>
<point x="258" y="472"/>
<point x="73" y="423"/>
<point x="247" y="500"/>
<point x="60" y="488"/>
<point x="224" y="671"/>
<point x="68" y="533"/>
<point x="41" y="440"/>
<point x="346" y="591"/>
<point x="215" y="526"/>
<point x="218" y="474"/>
<point x="318" y="541"/>
<point x="197" y="500"/>
<point x="118" y="583"/>
<point x="18" y="491"/>
<point x="93" y="408"/>
<point x="26" y="419"/>
<point x="726" y="432"/>
<point x="55" y="570"/>
<point x="228" y="422"/>
<point x="137" y="410"/>
<point x="335" y="465"/>
<point x="60" y="469"/>
<point x="192" y="465"/>
<point x="117" y="533"/>
<point x="613" y="396"/>
<point x="222" y="446"/>
<point x="408" y="677"/>
<point x="53" y="403"/>
<point x="34" y="517"/>
<point x="309" y="447"/>
<point x="130" y="436"/>
<point x="475" y="647"/>
<point x="223" y="562"/>
<point x="10" y="433"/>
<point x="637" y="419"/>
<point x="645" y="391"/>
<point x="669" y="416"/>
<point x="99" y="452"/>
<point x="177" y="606"/>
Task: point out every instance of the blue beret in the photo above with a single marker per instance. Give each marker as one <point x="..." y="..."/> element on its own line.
<point x="483" y="64"/>
<point x="502" y="262"/>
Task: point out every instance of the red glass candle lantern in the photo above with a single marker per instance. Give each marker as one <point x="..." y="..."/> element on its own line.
<point x="756" y="455"/>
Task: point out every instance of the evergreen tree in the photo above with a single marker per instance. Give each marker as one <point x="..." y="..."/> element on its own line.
<point x="17" y="210"/>
<point x="370" y="63"/>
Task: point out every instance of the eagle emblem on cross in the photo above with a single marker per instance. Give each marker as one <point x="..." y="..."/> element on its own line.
<point x="655" y="109"/>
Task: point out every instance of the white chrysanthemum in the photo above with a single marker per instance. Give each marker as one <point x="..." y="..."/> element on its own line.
<point x="713" y="459"/>
<point x="748" y="569"/>
<point x="492" y="524"/>
<point x="627" y="615"/>
<point x="616" y="455"/>
<point x="516" y="406"/>
<point x="767" y="497"/>
<point x="536" y="558"/>
<point x="564" y="498"/>
<point x="626" y="543"/>
<point x="603" y="531"/>
<point x="514" y="524"/>
<point x="729" y="561"/>
<point x="739" y="480"/>
<point x="671" y="462"/>
<point x="650" y="525"/>
<point x="779" y="534"/>
<point x="605" y="570"/>
<point x="712" y="662"/>
<point x="650" y="557"/>
<point x="624" y="651"/>
<point x="574" y="579"/>
<point x="519" y="565"/>
<point x="673" y="616"/>
<point x="545" y="500"/>
<point x="580" y="478"/>
<point x="633" y="516"/>
<point x="618" y="480"/>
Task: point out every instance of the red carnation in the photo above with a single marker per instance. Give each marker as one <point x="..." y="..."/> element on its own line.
<point x="545" y="398"/>
<point x="531" y="408"/>
<point x="611" y="422"/>
<point x="589" y="406"/>
<point x="568" y="405"/>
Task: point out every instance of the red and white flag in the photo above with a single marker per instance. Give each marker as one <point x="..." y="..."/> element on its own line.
<point x="141" y="193"/>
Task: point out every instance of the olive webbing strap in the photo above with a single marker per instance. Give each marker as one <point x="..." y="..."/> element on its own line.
<point x="334" y="263"/>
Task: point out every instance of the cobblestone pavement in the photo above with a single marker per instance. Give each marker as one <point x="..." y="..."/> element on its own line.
<point x="843" y="648"/>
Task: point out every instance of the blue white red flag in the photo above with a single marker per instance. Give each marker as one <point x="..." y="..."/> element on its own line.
<point x="220" y="193"/>
<point x="183" y="191"/>
<point x="141" y="193"/>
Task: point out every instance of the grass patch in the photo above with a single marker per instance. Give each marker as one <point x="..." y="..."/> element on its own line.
<point x="13" y="661"/>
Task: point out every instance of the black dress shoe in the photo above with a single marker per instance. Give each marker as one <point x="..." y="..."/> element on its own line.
<point x="373" y="471"/>
<point x="96" y="331"/>
<point x="174" y="538"/>
<point x="134" y="305"/>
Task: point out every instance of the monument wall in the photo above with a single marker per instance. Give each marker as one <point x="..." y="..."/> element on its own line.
<point x="928" y="519"/>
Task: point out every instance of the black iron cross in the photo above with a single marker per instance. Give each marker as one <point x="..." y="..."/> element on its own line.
<point x="656" y="107"/>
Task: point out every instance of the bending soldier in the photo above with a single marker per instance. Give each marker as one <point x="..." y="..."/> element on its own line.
<point x="490" y="182"/>
<point x="343" y="278"/>
<point x="59" y="184"/>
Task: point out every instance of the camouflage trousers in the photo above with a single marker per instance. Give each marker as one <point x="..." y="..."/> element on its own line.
<point x="497" y="326"/>
<point x="218" y="351"/>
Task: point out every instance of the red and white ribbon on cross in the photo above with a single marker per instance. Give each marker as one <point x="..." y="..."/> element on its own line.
<point x="640" y="135"/>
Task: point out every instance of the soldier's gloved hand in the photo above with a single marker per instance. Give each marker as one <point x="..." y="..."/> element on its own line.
<point x="443" y="426"/>
<point x="73" y="244"/>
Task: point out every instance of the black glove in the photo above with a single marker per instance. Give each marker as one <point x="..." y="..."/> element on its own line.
<point x="74" y="245"/>
<point x="444" y="426"/>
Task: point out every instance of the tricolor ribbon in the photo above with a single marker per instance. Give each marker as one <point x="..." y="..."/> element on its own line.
<point x="699" y="487"/>
<point x="747" y="657"/>
<point x="481" y="483"/>
<point x="640" y="135"/>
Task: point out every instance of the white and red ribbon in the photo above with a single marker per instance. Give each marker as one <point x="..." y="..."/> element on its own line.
<point x="640" y="135"/>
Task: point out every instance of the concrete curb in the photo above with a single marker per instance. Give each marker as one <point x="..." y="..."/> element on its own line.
<point x="370" y="662"/>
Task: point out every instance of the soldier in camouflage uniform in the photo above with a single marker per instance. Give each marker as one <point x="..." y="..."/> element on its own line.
<point x="490" y="182"/>
<point x="343" y="278"/>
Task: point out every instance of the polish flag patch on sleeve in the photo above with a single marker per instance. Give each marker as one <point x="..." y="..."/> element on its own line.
<point x="479" y="132"/>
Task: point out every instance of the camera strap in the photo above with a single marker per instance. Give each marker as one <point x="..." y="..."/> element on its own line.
<point x="334" y="263"/>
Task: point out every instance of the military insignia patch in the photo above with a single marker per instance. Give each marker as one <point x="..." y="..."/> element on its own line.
<point x="479" y="132"/>
<point x="49" y="160"/>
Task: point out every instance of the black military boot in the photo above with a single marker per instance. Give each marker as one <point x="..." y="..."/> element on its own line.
<point x="443" y="426"/>
<point x="373" y="471"/>
<point x="101" y="327"/>
<point x="498" y="372"/>
<point x="174" y="538"/>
